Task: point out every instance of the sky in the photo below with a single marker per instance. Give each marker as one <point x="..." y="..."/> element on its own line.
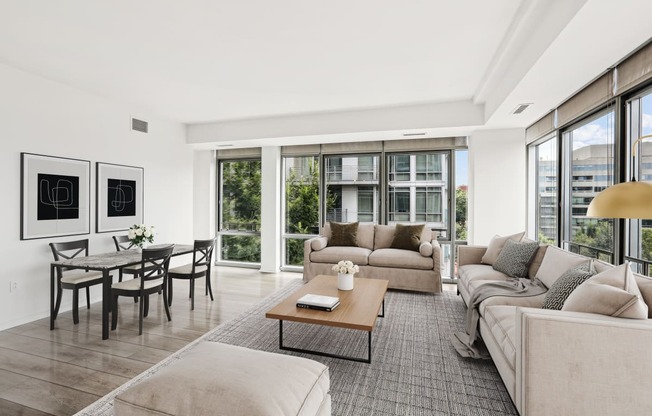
<point x="461" y="167"/>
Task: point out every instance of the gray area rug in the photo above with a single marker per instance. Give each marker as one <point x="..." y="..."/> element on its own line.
<point x="414" y="369"/>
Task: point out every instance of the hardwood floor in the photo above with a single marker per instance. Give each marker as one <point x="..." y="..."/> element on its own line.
<point x="60" y="372"/>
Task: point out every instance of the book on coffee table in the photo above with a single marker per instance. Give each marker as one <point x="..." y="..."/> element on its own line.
<point x="318" y="302"/>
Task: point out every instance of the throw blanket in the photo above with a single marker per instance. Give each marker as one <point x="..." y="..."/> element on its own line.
<point x="465" y="343"/>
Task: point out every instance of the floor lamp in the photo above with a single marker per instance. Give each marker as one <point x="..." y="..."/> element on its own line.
<point x="631" y="199"/>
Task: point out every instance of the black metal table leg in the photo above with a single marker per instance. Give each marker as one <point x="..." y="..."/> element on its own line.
<point x="106" y="299"/>
<point x="382" y="314"/>
<point x="52" y="283"/>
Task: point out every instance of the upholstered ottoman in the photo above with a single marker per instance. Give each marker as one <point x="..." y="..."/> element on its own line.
<point x="221" y="379"/>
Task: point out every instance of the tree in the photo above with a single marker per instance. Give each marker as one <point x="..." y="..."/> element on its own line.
<point x="302" y="209"/>
<point x="647" y="244"/>
<point x="461" y="212"/>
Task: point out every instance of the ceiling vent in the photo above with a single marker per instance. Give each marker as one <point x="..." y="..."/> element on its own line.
<point x="413" y="134"/>
<point x="520" y="108"/>
<point x="139" y="125"/>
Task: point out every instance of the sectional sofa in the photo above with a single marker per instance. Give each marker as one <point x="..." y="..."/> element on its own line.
<point x="564" y="362"/>
<point x="373" y="253"/>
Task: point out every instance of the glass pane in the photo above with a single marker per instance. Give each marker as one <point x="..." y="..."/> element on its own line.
<point x="294" y="251"/>
<point x="240" y="207"/>
<point x="592" y="168"/>
<point x="351" y="195"/>
<point x="302" y="195"/>
<point x="546" y="166"/>
<point x="240" y="248"/>
<point x="461" y="193"/>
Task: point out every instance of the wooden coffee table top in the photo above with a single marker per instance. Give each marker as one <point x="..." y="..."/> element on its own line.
<point x="358" y="308"/>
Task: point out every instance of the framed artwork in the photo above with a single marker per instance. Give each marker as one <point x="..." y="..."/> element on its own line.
<point x="55" y="196"/>
<point x="119" y="197"/>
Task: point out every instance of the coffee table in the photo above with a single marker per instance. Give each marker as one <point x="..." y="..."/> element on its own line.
<point x="358" y="309"/>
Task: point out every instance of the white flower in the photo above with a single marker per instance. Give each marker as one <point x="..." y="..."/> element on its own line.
<point x="147" y="233"/>
<point x="131" y="234"/>
<point x="139" y="232"/>
<point x="346" y="267"/>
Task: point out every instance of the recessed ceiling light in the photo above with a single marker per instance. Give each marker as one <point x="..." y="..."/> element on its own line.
<point x="520" y="108"/>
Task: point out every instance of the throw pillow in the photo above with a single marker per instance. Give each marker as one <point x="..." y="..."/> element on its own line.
<point x="407" y="237"/>
<point x="514" y="258"/>
<point x="645" y="286"/>
<point x="613" y="293"/>
<point x="425" y="249"/>
<point x="344" y="234"/>
<point x="567" y="282"/>
<point x="496" y="246"/>
<point x="555" y="262"/>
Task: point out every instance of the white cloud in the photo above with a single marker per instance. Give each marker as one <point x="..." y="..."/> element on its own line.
<point x="647" y="123"/>
<point x="594" y="133"/>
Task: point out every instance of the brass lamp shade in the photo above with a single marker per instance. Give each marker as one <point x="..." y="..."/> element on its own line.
<point x="624" y="200"/>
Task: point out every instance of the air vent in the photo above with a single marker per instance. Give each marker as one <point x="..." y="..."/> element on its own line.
<point x="520" y="108"/>
<point x="138" y="125"/>
<point x="414" y="134"/>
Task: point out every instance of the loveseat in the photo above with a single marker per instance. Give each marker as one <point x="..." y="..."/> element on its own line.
<point x="565" y="362"/>
<point x="417" y="269"/>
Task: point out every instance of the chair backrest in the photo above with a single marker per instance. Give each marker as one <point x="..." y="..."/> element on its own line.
<point x="122" y="242"/>
<point x="68" y="250"/>
<point x="202" y="254"/>
<point x="155" y="263"/>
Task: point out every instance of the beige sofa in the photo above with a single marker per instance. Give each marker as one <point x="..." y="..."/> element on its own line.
<point x="404" y="269"/>
<point x="557" y="362"/>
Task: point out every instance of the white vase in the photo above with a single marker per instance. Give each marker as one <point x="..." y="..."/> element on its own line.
<point x="344" y="281"/>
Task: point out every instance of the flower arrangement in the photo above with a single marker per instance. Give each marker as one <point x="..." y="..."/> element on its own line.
<point x="139" y="234"/>
<point x="346" y="267"/>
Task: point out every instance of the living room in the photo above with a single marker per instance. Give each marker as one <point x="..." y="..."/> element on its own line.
<point x="74" y="75"/>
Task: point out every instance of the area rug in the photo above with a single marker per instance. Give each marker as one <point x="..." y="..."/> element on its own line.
<point x="414" y="369"/>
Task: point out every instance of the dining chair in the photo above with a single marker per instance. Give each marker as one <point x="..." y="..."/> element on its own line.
<point x="200" y="267"/>
<point x="153" y="278"/>
<point x="73" y="279"/>
<point x="122" y="242"/>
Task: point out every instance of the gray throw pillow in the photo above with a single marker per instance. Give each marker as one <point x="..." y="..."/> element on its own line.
<point x="567" y="282"/>
<point x="343" y="234"/>
<point x="515" y="257"/>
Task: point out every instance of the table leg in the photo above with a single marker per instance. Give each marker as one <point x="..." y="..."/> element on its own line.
<point x="52" y="284"/>
<point x="382" y="314"/>
<point x="106" y="300"/>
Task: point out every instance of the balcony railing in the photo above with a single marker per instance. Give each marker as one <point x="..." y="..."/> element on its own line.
<point x="349" y="173"/>
<point x="588" y="251"/>
<point x="641" y="266"/>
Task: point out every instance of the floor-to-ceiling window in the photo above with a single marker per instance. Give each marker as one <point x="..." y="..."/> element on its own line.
<point x="352" y="188"/>
<point x="301" y="205"/>
<point x="639" y="231"/>
<point x="545" y="183"/>
<point x="589" y="168"/>
<point x="239" y="211"/>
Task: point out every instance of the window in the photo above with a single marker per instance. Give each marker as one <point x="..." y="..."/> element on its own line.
<point x="399" y="168"/>
<point x="428" y="204"/>
<point x="429" y="167"/>
<point x="546" y="191"/>
<point x="351" y="188"/>
<point x="399" y="204"/>
<point x="589" y="149"/>
<point x="301" y="205"/>
<point x="639" y="232"/>
<point x="239" y="211"/>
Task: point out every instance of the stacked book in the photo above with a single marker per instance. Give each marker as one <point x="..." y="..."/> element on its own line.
<point x="318" y="302"/>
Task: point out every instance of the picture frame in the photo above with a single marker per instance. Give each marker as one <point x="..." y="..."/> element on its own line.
<point x="119" y="197"/>
<point x="54" y="196"/>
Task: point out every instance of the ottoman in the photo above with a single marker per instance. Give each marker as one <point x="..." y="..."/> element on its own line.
<point x="220" y="379"/>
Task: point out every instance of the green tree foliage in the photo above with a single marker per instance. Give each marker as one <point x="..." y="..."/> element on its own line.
<point x="595" y="235"/>
<point x="461" y="212"/>
<point x="647" y="244"/>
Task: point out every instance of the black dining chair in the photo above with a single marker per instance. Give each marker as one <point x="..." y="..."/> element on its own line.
<point x="154" y="264"/>
<point x="122" y="242"/>
<point x="73" y="279"/>
<point x="200" y="267"/>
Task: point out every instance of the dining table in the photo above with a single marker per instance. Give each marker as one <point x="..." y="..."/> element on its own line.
<point x="105" y="263"/>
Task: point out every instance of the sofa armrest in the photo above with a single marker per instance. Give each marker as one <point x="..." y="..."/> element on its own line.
<point x="583" y="364"/>
<point x="470" y="254"/>
<point x="307" y="248"/>
<point x="436" y="260"/>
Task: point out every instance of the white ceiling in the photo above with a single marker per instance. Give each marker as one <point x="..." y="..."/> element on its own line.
<point x="236" y="61"/>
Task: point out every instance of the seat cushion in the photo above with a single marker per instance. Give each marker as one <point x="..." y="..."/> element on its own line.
<point x="134" y="284"/>
<point x="404" y="259"/>
<point x="502" y="322"/>
<point x="186" y="269"/>
<point x="220" y="379"/>
<point x="79" y="276"/>
<point x="358" y="255"/>
<point x="481" y="272"/>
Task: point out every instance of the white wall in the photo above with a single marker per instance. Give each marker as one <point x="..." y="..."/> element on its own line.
<point x="205" y="188"/>
<point x="40" y="116"/>
<point x="497" y="182"/>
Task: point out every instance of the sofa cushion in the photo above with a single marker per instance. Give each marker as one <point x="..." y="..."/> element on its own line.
<point x="502" y="322"/>
<point x="344" y="234"/>
<point x="555" y="263"/>
<point x="220" y="379"/>
<point x="319" y="243"/>
<point x="645" y="286"/>
<point x="331" y="255"/>
<point x="496" y="246"/>
<point x="567" y="282"/>
<point x="613" y="292"/>
<point x="425" y="249"/>
<point x="407" y="237"/>
<point x="515" y="257"/>
<point x="365" y="234"/>
<point x="404" y="259"/>
<point x="384" y="234"/>
<point x="536" y="261"/>
<point x="471" y="272"/>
